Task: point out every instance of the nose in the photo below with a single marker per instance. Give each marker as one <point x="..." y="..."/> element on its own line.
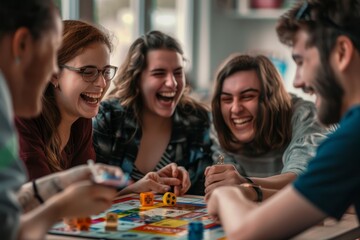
<point x="171" y="81"/>
<point x="236" y="106"/>
<point x="100" y="81"/>
<point x="298" y="80"/>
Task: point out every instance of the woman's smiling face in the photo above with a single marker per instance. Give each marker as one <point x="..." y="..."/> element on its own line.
<point x="76" y="97"/>
<point x="162" y="82"/>
<point x="239" y="101"/>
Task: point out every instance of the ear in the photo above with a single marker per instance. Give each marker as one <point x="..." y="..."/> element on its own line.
<point x="22" y="44"/>
<point x="55" y="80"/>
<point x="343" y="51"/>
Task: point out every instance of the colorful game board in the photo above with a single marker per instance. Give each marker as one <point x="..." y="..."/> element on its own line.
<point x="156" y="222"/>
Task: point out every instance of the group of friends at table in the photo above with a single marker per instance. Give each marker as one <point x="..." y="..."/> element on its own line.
<point x="286" y="161"/>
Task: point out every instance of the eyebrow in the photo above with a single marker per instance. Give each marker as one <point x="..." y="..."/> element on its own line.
<point x="163" y="69"/>
<point x="242" y="92"/>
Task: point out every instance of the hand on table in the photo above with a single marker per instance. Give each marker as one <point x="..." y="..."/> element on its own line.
<point x="172" y="170"/>
<point x="82" y="199"/>
<point x="221" y="175"/>
<point x="153" y="182"/>
<point x="83" y="172"/>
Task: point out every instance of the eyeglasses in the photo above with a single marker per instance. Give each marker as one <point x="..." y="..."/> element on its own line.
<point x="304" y="14"/>
<point x="91" y="73"/>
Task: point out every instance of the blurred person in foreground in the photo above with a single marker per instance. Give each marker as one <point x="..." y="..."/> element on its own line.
<point x="30" y="36"/>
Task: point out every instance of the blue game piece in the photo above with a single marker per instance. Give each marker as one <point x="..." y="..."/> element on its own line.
<point x="196" y="231"/>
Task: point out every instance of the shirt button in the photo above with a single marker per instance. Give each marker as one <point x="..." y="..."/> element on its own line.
<point x="170" y="147"/>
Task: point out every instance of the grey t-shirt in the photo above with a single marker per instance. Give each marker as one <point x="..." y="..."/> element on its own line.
<point x="12" y="173"/>
<point x="307" y="134"/>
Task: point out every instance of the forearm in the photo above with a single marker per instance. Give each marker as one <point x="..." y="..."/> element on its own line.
<point x="252" y="195"/>
<point x="46" y="186"/>
<point x="233" y="210"/>
<point x="276" y="182"/>
<point x="35" y="224"/>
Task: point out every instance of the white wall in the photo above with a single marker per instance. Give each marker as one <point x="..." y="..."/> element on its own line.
<point x="221" y="34"/>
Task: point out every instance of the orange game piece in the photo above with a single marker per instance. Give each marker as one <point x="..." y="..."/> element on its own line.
<point x="169" y="199"/>
<point x="83" y="224"/>
<point x="111" y="221"/>
<point x="71" y="224"/>
<point x="147" y="199"/>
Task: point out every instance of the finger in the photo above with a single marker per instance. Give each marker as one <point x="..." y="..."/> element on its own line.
<point x="219" y="168"/>
<point x="174" y="169"/>
<point x="177" y="190"/>
<point x="158" y="187"/>
<point x="185" y="187"/>
<point x="212" y="178"/>
<point x="184" y="175"/>
<point x="207" y="196"/>
<point x="169" y="181"/>
<point x="207" y="170"/>
<point x="211" y="187"/>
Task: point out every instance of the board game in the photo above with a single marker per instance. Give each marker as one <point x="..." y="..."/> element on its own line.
<point x="157" y="222"/>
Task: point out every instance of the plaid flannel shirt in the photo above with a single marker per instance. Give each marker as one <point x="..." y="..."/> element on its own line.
<point x="117" y="137"/>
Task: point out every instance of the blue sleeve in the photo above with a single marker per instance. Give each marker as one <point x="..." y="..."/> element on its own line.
<point x="332" y="181"/>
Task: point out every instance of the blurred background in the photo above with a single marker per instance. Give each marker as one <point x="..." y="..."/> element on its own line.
<point x="209" y="31"/>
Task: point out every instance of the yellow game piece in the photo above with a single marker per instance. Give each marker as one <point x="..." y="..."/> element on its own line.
<point x="169" y="199"/>
<point x="83" y="224"/>
<point x="111" y="221"/>
<point x="147" y="199"/>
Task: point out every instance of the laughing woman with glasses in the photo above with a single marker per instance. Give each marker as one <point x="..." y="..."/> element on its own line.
<point x="62" y="136"/>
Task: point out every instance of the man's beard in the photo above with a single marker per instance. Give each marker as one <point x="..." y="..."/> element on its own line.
<point x="331" y="93"/>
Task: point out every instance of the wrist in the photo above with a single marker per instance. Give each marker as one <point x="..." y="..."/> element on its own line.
<point x="257" y="195"/>
<point x="36" y="192"/>
<point x="249" y="180"/>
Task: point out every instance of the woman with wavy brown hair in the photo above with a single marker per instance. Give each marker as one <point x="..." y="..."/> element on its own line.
<point x="265" y="135"/>
<point x="61" y="137"/>
<point x="149" y="120"/>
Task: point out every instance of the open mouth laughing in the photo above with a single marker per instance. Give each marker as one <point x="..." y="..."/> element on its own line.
<point x="166" y="96"/>
<point x="91" y="98"/>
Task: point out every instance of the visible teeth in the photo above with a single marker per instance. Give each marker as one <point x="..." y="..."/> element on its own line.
<point x="92" y="95"/>
<point x="241" y="120"/>
<point x="167" y="94"/>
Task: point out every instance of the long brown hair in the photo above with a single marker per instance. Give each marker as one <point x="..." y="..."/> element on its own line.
<point x="77" y="35"/>
<point x="127" y="81"/>
<point x="273" y="128"/>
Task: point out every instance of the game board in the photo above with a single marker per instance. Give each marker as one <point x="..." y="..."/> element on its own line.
<point x="157" y="222"/>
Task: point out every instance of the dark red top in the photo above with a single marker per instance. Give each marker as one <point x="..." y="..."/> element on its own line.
<point x="77" y="151"/>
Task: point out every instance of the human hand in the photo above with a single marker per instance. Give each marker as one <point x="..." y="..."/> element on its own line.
<point x="153" y="182"/>
<point x="84" y="172"/>
<point x="83" y="199"/>
<point x="172" y="170"/>
<point x="221" y="175"/>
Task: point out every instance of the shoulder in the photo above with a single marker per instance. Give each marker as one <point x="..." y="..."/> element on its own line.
<point x="193" y="114"/>
<point x="111" y="105"/>
<point x="302" y="108"/>
<point x="110" y="110"/>
<point x="349" y="124"/>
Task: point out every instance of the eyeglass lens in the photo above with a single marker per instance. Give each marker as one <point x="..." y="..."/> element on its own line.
<point x="92" y="73"/>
